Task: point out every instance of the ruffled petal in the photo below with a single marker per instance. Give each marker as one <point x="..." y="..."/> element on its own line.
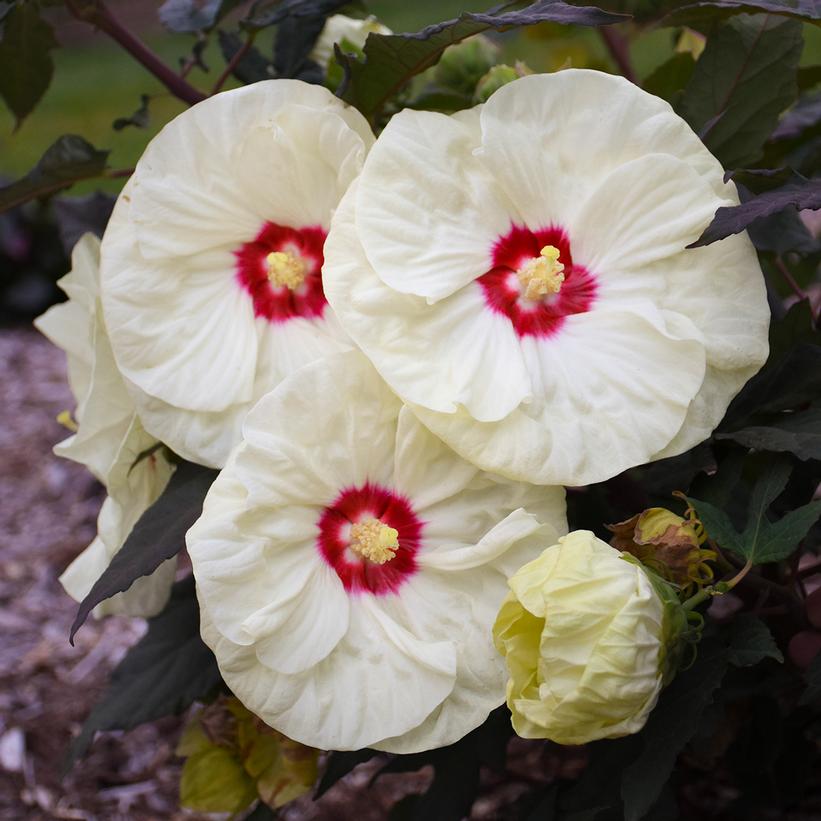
<point x="397" y="681"/>
<point x="550" y="138"/>
<point x="183" y="325"/>
<point x="340" y="432"/>
<point x="615" y="386"/>
<point x="433" y="238"/>
<point x="476" y="349"/>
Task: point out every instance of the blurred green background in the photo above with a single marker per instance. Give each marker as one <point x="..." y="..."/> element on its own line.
<point x="95" y="81"/>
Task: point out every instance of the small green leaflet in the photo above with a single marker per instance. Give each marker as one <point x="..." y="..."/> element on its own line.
<point x="751" y="642"/>
<point x="762" y="540"/>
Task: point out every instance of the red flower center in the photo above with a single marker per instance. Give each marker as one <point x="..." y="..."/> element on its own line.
<point x="513" y="256"/>
<point x="281" y="269"/>
<point x="358" y="506"/>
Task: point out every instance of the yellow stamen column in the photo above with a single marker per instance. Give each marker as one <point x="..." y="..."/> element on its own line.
<point x="374" y="540"/>
<point x="285" y="269"/>
<point x="542" y="275"/>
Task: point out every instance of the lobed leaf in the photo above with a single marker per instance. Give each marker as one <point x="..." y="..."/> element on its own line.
<point x="26" y="67"/>
<point x="252" y="67"/>
<point x="762" y="540"/>
<point x="670" y="727"/>
<point x="710" y="10"/>
<point x="797" y="433"/>
<point x="191" y="16"/>
<point x="70" y="159"/>
<point x="392" y="60"/>
<point x="751" y="642"/>
<point x="158" y="536"/>
<point x="801" y="193"/>
<point x="139" y="119"/>
<point x="741" y="83"/>
<point x="266" y="13"/>
<point x="163" y="674"/>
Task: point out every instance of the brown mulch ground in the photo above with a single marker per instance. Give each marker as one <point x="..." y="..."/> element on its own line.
<point x="48" y="510"/>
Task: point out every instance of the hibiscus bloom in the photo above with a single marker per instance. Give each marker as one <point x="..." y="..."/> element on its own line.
<point x="349" y="567"/>
<point x="519" y="274"/>
<point x="109" y="439"/>
<point x="212" y="260"/>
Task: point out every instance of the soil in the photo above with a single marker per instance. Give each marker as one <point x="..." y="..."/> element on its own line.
<point x="48" y="511"/>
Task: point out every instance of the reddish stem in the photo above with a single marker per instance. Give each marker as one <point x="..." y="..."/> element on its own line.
<point x="794" y="286"/>
<point x="619" y="50"/>
<point x="99" y="16"/>
<point x="233" y="62"/>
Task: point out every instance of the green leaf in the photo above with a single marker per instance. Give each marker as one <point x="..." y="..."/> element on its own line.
<point x="670" y="79"/>
<point x="191" y="16"/>
<point x="266" y="13"/>
<point x="158" y="536"/>
<point x="744" y="79"/>
<point x="392" y="60"/>
<point x="785" y="383"/>
<point x="762" y="540"/>
<point x="800" y="193"/>
<point x="778" y="540"/>
<point x="69" y="160"/>
<point x="718" y="526"/>
<point x="139" y="119"/>
<point x="710" y="10"/>
<point x="670" y="727"/>
<point x="798" y="433"/>
<point x="163" y="674"/>
<point x="252" y="67"/>
<point x="26" y="67"/>
<point x="751" y="642"/>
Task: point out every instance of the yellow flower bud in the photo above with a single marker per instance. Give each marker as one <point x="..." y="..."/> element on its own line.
<point x="587" y="635"/>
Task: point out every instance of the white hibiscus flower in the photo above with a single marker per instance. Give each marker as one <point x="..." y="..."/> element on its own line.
<point x="518" y="273"/>
<point x="212" y="260"/>
<point x="349" y="567"/>
<point x="349" y="32"/>
<point x="110" y="440"/>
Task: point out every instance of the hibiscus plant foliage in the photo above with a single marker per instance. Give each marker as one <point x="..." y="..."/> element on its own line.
<point x="736" y="732"/>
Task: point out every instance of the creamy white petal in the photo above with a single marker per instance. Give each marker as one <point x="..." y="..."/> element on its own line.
<point x="407" y="667"/>
<point x="396" y="682"/>
<point x="183" y="327"/>
<point x="663" y="206"/>
<point x="550" y="138"/>
<point x="477" y="351"/>
<point x="615" y="387"/>
<point x="427" y="213"/>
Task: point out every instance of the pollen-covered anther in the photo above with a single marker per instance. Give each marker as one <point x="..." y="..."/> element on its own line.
<point x="286" y="269"/>
<point x="374" y="540"/>
<point x="542" y="275"/>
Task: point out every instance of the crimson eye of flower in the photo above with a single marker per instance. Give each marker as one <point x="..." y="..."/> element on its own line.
<point x="534" y="282"/>
<point x="370" y="536"/>
<point x="281" y="269"/>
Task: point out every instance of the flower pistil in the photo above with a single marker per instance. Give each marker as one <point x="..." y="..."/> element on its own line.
<point x="286" y="269"/>
<point x="542" y="275"/>
<point x="374" y="541"/>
